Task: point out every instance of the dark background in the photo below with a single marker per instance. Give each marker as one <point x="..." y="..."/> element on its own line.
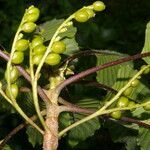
<point x="121" y="27"/>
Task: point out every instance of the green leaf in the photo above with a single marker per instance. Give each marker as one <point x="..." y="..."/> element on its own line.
<point x="71" y="46"/>
<point x="123" y="76"/>
<point x="146" y="47"/>
<point x="88" y="128"/>
<point x="122" y="134"/>
<point x="108" y="76"/>
<point x="34" y="137"/>
<point x="48" y="29"/>
<point x="125" y="73"/>
<point x="144" y="138"/>
<point x="7" y="147"/>
<point x="25" y="101"/>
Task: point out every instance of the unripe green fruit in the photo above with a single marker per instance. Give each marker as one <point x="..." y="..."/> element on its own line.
<point x="28" y="27"/>
<point x="58" y="47"/>
<point x="122" y="102"/>
<point x="131" y="103"/>
<point x="14" y="90"/>
<point x="33" y="17"/>
<point x="22" y="45"/>
<point x="147" y="107"/>
<point x="128" y="91"/>
<point x="39" y="49"/>
<point x="1" y="84"/>
<point x="116" y="114"/>
<point x="99" y="6"/>
<point x="146" y="71"/>
<point x="81" y="16"/>
<point x="90" y="12"/>
<point x="53" y="59"/>
<point x="33" y="10"/>
<point x="135" y="83"/>
<point x="37" y="41"/>
<point x="14" y="74"/>
<point x="18" y="57"/>
<point x="37" y="59"/>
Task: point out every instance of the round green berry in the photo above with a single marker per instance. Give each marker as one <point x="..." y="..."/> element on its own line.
<point x="131" y="104"/>
<point x="99" y="6"/>
<point x="147" y="107"/>
<point x="37" y="59"/>
<point x="1" y="84"/>
<point x="28" y="27"/>
<point x="33" y="10"/>
<point x="14" y="74"/>
<point x="22" y="45"/>
<point x="18" y="57"/>
<point x="81" y="16"/>
<point x="14" y="90"/>
<point x="39" y="49"/>
<point x="146" y="71"/>
<point x="128" y="91"/>
<point x="53" y="59"/>
<point x="58" y="47"/>
<point x="90" y="12"/>
<point x="135" y="83"/>
<point x="37" y="41"/>
<point x="116" y="114"/>
<point x="122" y="102"/>
<point x="33" y="17"/>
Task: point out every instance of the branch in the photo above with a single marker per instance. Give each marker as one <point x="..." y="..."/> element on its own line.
<point x="26" y="76"/>
<point x="98" y="68"/>
<point x="74" y="108"/>
<point x="131" y="120"/>
<point x="87" y="53"/>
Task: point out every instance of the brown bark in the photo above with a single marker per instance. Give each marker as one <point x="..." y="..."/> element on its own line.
<point x="50" y="141"/>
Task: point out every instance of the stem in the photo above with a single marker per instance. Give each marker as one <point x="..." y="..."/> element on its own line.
<point x="103" y="111"/>
<point x="17" y="107"/>
<point x="40" y="90"/>
<point x="17" y="129"/>
<point x="98" y="68"/>
<point x="89" y="52"/>
<point x="35" y="96"/>
<point x="123" y="89"/>
<point x="26" y="76"/>
<point x="4" y="95"/>
<point x="131" y="120"/>
<point x="14" y="103"/>
<point x="50" y="141"/>
<point x="97" y="113"/>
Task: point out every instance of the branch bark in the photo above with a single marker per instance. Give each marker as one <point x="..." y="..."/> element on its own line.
<point x="87" y="72"/>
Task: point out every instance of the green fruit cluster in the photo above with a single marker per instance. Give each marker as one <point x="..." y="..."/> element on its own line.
<point x="39" y="49"/>
<point x="27" y="26"/>
<point x="123" y="101"/>
<point x="85" y="14"/>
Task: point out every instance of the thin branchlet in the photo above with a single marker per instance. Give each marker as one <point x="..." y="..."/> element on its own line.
<point x="87" y="72"/>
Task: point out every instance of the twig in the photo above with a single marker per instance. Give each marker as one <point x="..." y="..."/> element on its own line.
<point x="98" y="68"/>
<point x="87" y="53"/>
<point x="26" y="76"/>
<point x="131" y="120"/>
